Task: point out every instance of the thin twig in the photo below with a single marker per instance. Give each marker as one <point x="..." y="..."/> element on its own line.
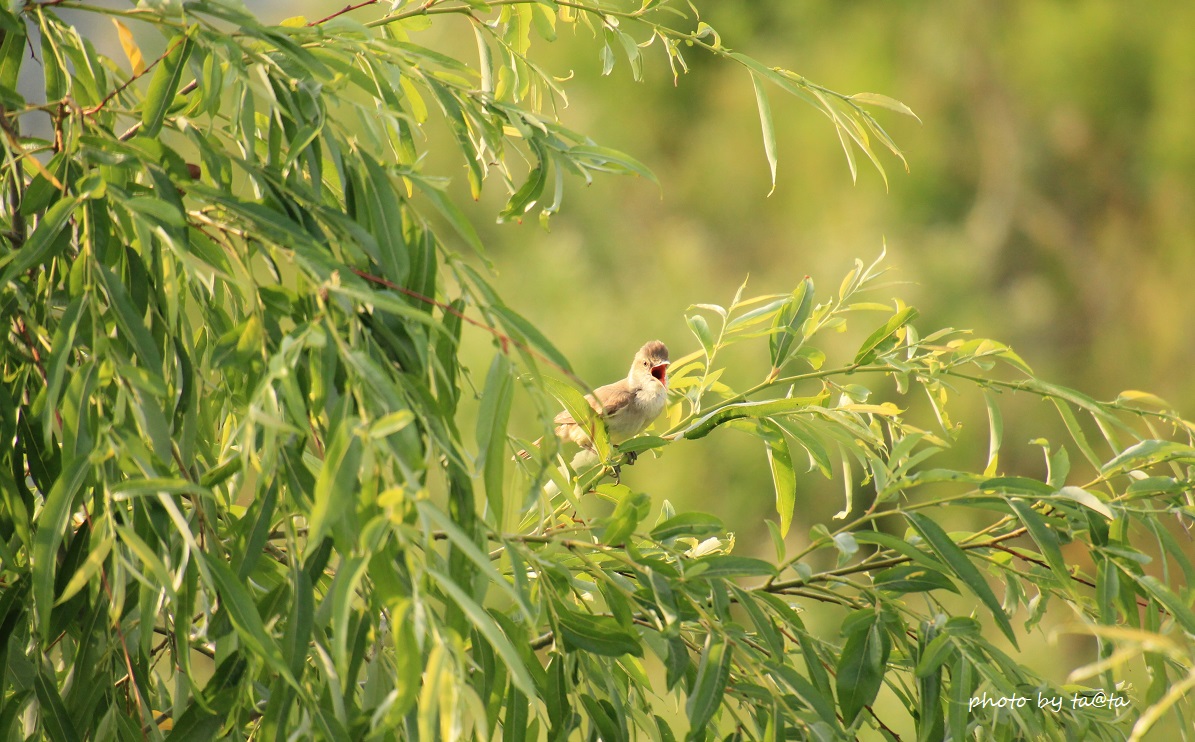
<point x="136" y="76"/>
<point x="342" y="11"/>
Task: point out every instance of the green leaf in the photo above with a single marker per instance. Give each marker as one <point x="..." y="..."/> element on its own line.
<point x="12" y="53"/>
<point x="301" y="621"/>
<point x="1149" y="453"/>
<point x="1086" y="499"/>
<point x="777" y="540"/>
<point x="164" y="85"/>
<point x="911" y="579"/>
<point x="130" y="323"/>
<point x="871" y="346"/>
<point x="763" y="625"/>
<point x="488" y="628"/>
<point x="452" y="213"/>
<point x="469" y="549"/>
<point x="629" y="512"/>
<point x="787" y="334"/>
<point x="677" y="662"/>
<point x="86" y="571"/>
<point x="784" y="479"/>
<point x="713" y="671"/>
<point x="52" y="524"/>
<point x="492" y="419"/>
<point x="701" y="330"/>
<point x="603" y="158"/>
<point x="235" y="599"/>
<point x="53" y="715"/>
<point x="55" y="68"/>
<point x="691" y="524"/>
<point x="767" y="408"/>
<point x="333" y="496"/>
<point x="642" y="443"/>
<point x="888" y="541"/>
<point x="883" y="101"/>
<point x="1017" y="486"/>
<point x="1156" y="590"/>
<point x="602" y="635"/>
<point x="861" y="667"/>
<point x="43" y="244"/>
<point x="730" y="565"/>
<point x="582" y="413"/>
<point x="1046" y="538"/>
<point x="961" y="565"/>
<point x="765" y="122"/>
<point x="935" y="654"/>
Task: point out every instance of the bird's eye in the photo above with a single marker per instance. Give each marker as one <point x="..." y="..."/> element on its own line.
<point x="645" y="363"/>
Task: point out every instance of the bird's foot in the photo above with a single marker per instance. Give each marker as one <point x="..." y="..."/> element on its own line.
<point x="631" y="457"/>
<point x="616" y="470"/>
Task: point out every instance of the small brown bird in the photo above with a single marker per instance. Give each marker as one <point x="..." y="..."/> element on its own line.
<point x="628" y="405"/>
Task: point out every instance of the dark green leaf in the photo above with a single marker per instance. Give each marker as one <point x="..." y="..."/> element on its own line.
<point x="602" y="635"/>
<point x="630" y="510"/>
<point x="861" y="667"/>
<point x="235" y="598"/>
<point x="728" y="566"/>
<point x="690" y="524"/>
<point x="492" y="419"/>
<point x="53" y="713"/>
<point x="961" y="565"/>
<point x="1046" y="538"/>
<point x="164" y="84"/>
<point x="869" y="350"/>
<point x="488" y="628"/>
<point x="52" y="524"/>
<point x="784" y="479"/>
<point x="787" y="335"/>
<point x="912" y="579"/>
<point x="43" y="244"/>
<point x="713" y="671"/>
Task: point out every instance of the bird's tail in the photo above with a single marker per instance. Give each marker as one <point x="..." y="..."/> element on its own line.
<point x="524" y="454"/>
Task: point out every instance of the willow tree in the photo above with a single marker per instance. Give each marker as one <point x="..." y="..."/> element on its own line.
<point x="240" y="499"/>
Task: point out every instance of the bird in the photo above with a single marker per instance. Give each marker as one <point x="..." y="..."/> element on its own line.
<point x="627" y="406"/>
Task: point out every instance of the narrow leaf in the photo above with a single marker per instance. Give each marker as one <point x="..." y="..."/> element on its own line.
<point x="131" y="51"/>
<point x="164" y="85"/>
<point x="765" y="122"/>
<point x="961" y="565"/>
<point x="712" y="673"/>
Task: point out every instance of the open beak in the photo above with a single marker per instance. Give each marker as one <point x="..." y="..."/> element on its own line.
<point x="660" y="371"/>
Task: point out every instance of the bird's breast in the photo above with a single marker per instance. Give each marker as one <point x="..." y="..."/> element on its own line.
<point x="633" y="418"/>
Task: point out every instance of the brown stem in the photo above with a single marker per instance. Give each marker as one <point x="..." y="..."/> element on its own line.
<point x="342" y="11"/>
<point x="132" y="130"/>
<point x="866" y="567"/>
<point x="136" y="76"/>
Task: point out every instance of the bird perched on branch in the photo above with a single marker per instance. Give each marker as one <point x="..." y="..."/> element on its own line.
<point x="628" y="405"/>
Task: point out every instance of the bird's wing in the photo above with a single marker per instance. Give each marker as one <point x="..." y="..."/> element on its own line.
<point x="614" y="397"/>
<point x="606" y="400"/>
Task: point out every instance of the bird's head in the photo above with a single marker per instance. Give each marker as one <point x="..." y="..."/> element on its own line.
<point x="651" y="362"/>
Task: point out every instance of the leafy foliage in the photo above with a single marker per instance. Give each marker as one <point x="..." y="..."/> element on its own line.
<point x="239" y="496"/>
